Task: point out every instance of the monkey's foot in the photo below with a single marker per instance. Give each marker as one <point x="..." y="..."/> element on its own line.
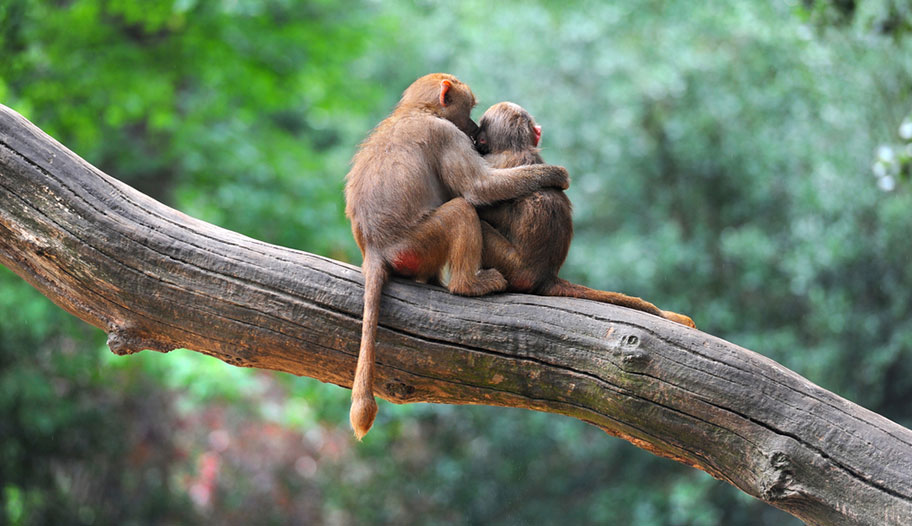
<point x="678" y="318"/>
<point x="485" y="281"/>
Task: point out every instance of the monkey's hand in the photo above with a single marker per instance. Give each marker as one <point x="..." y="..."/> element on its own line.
<point x="556" y="177"/>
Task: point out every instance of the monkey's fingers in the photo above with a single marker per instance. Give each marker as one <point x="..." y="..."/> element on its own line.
<point x="561" y="177"/>
<point x="679" y="318"/>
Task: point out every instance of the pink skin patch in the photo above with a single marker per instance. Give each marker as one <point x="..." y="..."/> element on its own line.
<point x="536" y="132"/>
<point x="407" y="263"/>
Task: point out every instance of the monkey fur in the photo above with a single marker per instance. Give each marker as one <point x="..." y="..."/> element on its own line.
<point x="411" y="195"/>
<point x="527" y="238"/>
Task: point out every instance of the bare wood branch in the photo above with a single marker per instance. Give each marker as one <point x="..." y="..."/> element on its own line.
<point x="154" y="278"/>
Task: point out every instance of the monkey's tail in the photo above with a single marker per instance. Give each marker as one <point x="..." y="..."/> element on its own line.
<point x="364" y="407"/>
<point x="564" y="288"/>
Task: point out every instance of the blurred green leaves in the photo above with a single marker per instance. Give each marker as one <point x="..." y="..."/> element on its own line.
<point x="215" y="106"/>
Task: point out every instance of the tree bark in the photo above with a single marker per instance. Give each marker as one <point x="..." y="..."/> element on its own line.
<point x="154" y="278"/>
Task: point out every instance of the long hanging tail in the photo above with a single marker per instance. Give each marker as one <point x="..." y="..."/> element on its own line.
<point x="564" y="288"/>
<point x="364" y="407"/>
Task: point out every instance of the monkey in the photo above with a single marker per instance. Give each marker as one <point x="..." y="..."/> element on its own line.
<point x="410" y="196"/>
<point x="527" y="238"/>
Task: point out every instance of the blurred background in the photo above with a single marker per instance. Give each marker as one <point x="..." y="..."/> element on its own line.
<point x="746" y="163"/>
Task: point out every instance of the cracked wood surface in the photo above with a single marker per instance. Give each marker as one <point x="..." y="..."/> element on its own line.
<point x="154" y="278"/>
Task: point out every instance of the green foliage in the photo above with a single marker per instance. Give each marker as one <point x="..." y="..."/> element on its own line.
<point x="79" y="444"/>
<point x="721" y="156"/>
<point x="216" y="107"/>
<point x="882" y="17"/>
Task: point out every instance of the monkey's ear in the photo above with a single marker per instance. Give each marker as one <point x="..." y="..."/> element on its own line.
<point x="536" y="132"/>
<point x="445" y="86"/>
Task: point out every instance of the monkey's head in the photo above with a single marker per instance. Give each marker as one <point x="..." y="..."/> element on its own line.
<point x="445" y="96"/>
<point x="506" y="126"/>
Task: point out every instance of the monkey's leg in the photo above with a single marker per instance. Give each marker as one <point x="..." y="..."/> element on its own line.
<point x="497" y="215"/>
<point x="536" y="232"/>
<point x="450" y="234"/>
<point x="541" y="229"/>
<point x="500" y="253"/>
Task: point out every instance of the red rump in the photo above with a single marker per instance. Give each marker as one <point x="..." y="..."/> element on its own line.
<point x="407" y="263"/>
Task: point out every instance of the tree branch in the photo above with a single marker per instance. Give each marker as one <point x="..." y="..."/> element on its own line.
<point x="154" y="278"/>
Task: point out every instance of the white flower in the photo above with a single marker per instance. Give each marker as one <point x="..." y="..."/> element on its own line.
<point x="885" y="154"/>
<point x="879" y="169"/>
<point x="887" y="183"/>
<point x="905" y="129"/>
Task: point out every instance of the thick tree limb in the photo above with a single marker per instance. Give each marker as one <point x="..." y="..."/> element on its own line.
<point x="154" y="278"/>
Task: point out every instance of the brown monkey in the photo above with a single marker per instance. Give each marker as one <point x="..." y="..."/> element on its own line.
<point x="410" y="196"/>
<point x="531" y="234"/>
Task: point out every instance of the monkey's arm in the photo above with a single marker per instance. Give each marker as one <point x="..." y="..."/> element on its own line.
<point x="465" y="173"/>
<point x="509" y="183"/>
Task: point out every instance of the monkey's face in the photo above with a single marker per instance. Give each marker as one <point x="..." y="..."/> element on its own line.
<point x="459" y="101"/>
<point x="481" y="138"/>
<point x="465" y="123"/>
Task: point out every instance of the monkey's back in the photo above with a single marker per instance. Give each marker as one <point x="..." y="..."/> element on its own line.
<point x="514" y="158"/>
<point x="540" y="225"/>
<point x="394" y="168"/>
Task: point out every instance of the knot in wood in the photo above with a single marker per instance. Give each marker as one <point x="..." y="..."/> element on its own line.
<point x="123" y="341"/>
<point x="634" y="359"/>
<point x="630" y="340"/>
<point x="400" y="391"/>
<point x="629" y="349"/>
<point x="780" y="460"/>
<point x="237" y="361"/>
<point x="779" y="482"/>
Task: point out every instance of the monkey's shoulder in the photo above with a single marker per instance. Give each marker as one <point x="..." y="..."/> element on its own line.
<point x="429" y="125"/>
<point x="421" y="134"/>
